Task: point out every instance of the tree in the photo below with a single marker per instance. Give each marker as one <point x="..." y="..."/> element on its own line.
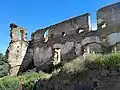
<point x="4" y="67"/>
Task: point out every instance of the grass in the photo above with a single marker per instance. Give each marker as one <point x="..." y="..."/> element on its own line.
<point x="107" y="60"/>
<point x="75" y="66"/>
<point x="93" y="57"/>
<point x="27" y="80"/>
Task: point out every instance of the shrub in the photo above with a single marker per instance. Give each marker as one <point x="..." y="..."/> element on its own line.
<point x="75" y="66"/>
<point x="93" y="57"/>
<point x="4" y="67"/>
<point x="27" y="80"/>
<point x="111" y="60"/>
<point x="107" y="60"/>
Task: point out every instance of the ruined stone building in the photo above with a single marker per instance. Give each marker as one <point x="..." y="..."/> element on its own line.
<point x="17" y="48"/>
<point x="65" y="41"/>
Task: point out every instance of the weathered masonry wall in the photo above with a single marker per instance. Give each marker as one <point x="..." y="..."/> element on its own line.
<point x="108" y="19"/>
<point x="60" y="42"/>
<point x="17" y="48"/>
<point x="72" y="38"/>
<point x="109" y="25"/>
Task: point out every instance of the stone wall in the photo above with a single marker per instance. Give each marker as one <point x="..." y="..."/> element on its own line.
<point x="17" y="48"/>
<point x="74" y="37"/>
<point x="108" y="19"/>
<point x="109" y="26"/>
<point x="69" y="39"/>
<point x="65" y="36"/>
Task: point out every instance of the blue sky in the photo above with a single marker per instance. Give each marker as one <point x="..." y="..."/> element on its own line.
<point x="36" y="14"/>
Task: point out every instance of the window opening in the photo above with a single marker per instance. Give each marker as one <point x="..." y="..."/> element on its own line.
<point x="63" y="34"/>
<point x="46" y="36"/>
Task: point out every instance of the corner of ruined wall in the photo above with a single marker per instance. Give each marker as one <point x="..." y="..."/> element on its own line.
<point x="17" y="48"/>
<point x="108" y="25"/>
<point x="108" y="19"/>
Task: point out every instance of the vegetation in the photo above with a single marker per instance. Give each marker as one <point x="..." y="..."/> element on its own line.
<point x="107" y="60"/>
<point x="27" y="80"/>
<point x="3" y="65"/>
<point x="75" y="66"/>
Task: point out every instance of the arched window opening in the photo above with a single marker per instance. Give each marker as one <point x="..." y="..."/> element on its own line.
<point x="116" y="47"/>
<point x="46" y="36"/>
<point x="63" y="34"/>
<point x="104" y="25"/>
<point x="94" y="48"/>
<point x="21" y="34"/>
<point x="82" y="51"/>
<point x="80" y="30"/>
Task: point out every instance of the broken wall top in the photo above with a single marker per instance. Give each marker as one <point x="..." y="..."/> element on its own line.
<point x="17" y="33"/>
<point x="110" y="13"/>
<point x="108" y="19"/>
<point x="68" y="27"/>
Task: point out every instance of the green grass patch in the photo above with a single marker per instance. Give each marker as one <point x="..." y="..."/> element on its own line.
<point x="27" y="80"/>
<point x="75" y="66"/>
<point x="107" y="60"/>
